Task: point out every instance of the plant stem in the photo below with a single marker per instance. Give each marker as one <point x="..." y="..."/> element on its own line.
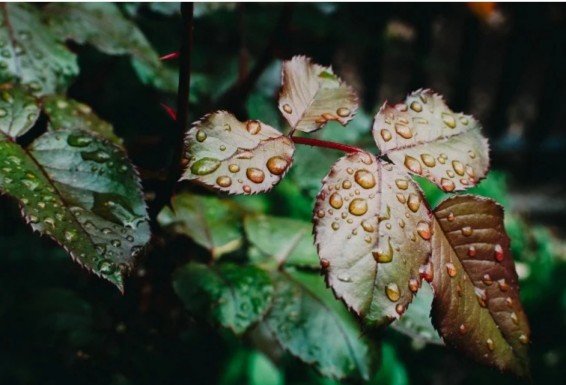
<point x="325" y="144"/>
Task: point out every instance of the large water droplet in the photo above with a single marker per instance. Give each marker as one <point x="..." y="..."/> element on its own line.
<point x="498" y="251"/>
<point x="224" y="181"/>
<point x="343" y="112"/>
<point x="467" y="231"/>
<point x="277" y="165"/>
<point x="358" y="207"/>
<point x="523" y="339"/>
<point x="255" y="175"/>
<point x="106" y="267"/>
<point x="414" y="202"/>
<point x="253" y="127"/>
<point x="449" y="120"/>
<point x="399" y="309"/>
<point x="427" y="272"/>
<point x="320" y="213"/>
<point x="385" y="134"/>
<point x="392" y="292"/>
<point x="416" y="106"/>
<point x="247" y="189"/>
<point x="428" y="160"/>
<point x="344" y="278"/>
<point x="458" y="167"/>
<point x="471" y="251"/>
<point x="324" y="263"/>
<point x="490" y="344"/>
<point x="201" y="136"/>
<point x="403" y="131"/>
<point x="367" y="226"/>
<point x="447" y="185"/>
<point x="451" y="270"/>
<point x="233" y="168"/>
<point x="287" y="108"/>
<point x="413" y="285"/>
<point x="346" y="184"/>
<point x="336" y="200"/>
<point x="401" y="198"/>
<point x="514" y="318"/>
<point x="78" y="140"/>
<point x="97" y="156"/>
<point x="487" y="280"/>
<point x="424" y="231"/>
<point x="481" y="295"/>
<point x="503" y="286"/>
<point x="413" y="164"/>
<point x="335" y="226"/>
<point x="205" y="166"/>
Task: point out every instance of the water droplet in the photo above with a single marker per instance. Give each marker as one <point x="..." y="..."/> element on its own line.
<point x="3" y="112"/>
<point x="7" y="97"/>
<point x="320" y="213"/>
<point x="449" y="120"/>
<point x="499" y="255"/>
<point x="344" y="278"/>
<point x="78" y="140"/>
<point x="367" y="226"/>
<point x="523" y="339"/>
<point x="403" y="131"/>
<point x="33" y="219"/>
<point x="343" y="112"/>
<point x="514" y="318"/>
<point x="49" y="221"/>
<point x="365" y="179"/>
<point x="402" y="184"/>
<point x="414" y="202"/>
<point x="400" y="309"/>
<point x="426" y="272"/>
<point x="130" y="238"/>
<point x="98" y="156"/>
<point x="471" y="251"/>
<point x="424" y="231"/>
<point x="253" y="127"/>
<point x="115" y="243"/>
<point x="324" y="263"/>
<point x="487" y="280"/>
<point x="30" y="184"/>
<point x="201" y="136"/>
<point x="413" y="285"/>
<point x="467" y="231"/>
<point x="224" y="181"/>
<point x="335" y="200"/>
<point x="401" y="198"/>
<point x="462" y="329"/>
<point x="416" y="106"/>
<point x="384" y="253"/>
<point x="287" y="108"/>
<point x="413" y="164"/>
<point x="247" y="189"/>
<point x="106" y="267"/>
<point x="481" y="295"/>
<point x="458" y="167"/>
<point x="233" y="168"/>
<point x="255" y="175"/>
<point x="386" y="135"/>
<point x="428" y="160"/>
<point x="277" y="165"/>
<point x="205" y="166"/>
<point x="451" y="270"/>
<point x="509" y="302"/>
<point x="335" y="226"/>
<point x="401" y="223"/>
<point x="358" y="207"/>
<point x="447" y="185"/>
<point x="503" y="286"/>
<point x="450" y="217"/>
<point x="392" y="292"/>
<point x="490" y="344"/>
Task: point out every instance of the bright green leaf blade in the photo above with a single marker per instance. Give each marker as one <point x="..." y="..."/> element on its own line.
<point x="82" y="192"/>
<point x="18" y="111"/>
<point x="311" y="95"/>
<point x="31" y="53"/>
<point x="309" y="323"/>
<point x="233" y="296"/>
<point x="372" y="232"/>
<point x="236" y="157"/>
<point x="430" y="140"/>
<point x="69" y="114"/>
<point x="477" y="307"/>
<point x="212" y="223"/>
<point x="282" y="240"/>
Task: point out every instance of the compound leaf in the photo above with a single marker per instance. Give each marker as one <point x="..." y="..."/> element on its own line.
<point x="430" y="140"/>
<point x="18" y="111"/>
<point x="311" y="95"/>
<point x="212" y="223"/>
<point x="477" y="307"/>
<point x="233" y="296"/>
<point x="236" y="157"/>
<point x="372" y="231"/>
<point x="309" y="323"/>
<point x="82" y="192"/>
<point x="33" y="57"/>
<point x="69" y="114"/>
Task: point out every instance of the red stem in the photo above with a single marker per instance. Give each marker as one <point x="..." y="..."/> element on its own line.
<point x="325" y="144"/>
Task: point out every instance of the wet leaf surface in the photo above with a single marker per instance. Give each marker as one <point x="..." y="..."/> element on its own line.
<point x="18" y="111"/>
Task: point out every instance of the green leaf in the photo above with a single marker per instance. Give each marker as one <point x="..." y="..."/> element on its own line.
<point x="311" y="95"/>
<point x="212" y="223"/>
<point x="236" y="157"/>
<point x="391" y="371"/>
<point x="309" y="323"/>
<point x="477" y="308"/>
<point x="18" y="111"/>
<point x="430" y="140"/>
<point x="30" y="52"/>
<point x="82" y="192"/>
<point x="282" y="240"/>
<point x="69" y="114"/>
<point x="372" y="231"/>
<point x="233" y="296"/>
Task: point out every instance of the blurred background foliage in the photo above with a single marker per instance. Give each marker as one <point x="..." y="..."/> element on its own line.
<point x="503" y="63"/>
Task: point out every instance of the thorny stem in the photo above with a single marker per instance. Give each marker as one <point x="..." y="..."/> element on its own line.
<point x="325" y="144"/>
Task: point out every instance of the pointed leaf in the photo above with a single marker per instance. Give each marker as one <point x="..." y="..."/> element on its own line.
<point x="282" y="240"/>
<point x="430" y="140"/>
<point x="83" y="193"/>
<point x="69" y="114"/>
<point x="309" y="323"/>
<point x="212" y="223"/>
<point x="233" y="296"/>
<point x="477" y="307"/>
<point x="311" y="95"/>
<point x="31" y="53"/>
<point x="372" y="231"/>
<point x="18" y="111"/>
<point x="236" y="157"/>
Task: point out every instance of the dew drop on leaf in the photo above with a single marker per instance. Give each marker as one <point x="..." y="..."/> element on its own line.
<point x="358" y="207"/>
<point x="392" y="292"/>
<point x="499" y="255"/>
<point x="224" y="181"/>
<point x="413" y="164"/>
<point x="233" y="168"/>
<point x="424" y="231"/>
<point x="364" y="178"/>
<point x="255" y="175"/>
<point x="277" y="165"/>
<point x="336" y="200"/>
<point x="414" y="202"/>
<point x="253" y="127"/>
<point x="467" y="231"/>
<point x="451" y="270"/>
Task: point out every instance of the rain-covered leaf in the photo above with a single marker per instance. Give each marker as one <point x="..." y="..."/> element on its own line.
<point x="309" y="323"/>
<point x="477" y="307"/>
<point x="82" y="192"/>
<point x="69" y="114"/>
<point x="311" y="95"/>
<point x="282" y="240"/>
<point x="416" y="322"/>
<point x="18" y="111"/>
<point x="233" y="296"/>
<point x="30" y="52"/>
<point x="430" y="140"/>
<point x="372" y="231"/>
<point x="104" y="26"/>
<point x="212" y="223"/>
<point x="236" y="157"/>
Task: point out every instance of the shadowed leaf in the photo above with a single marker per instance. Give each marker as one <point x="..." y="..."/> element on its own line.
<point x="212" y="223"/>
<point x="82" y="192"/>
<point x="477" y="307"/>
<point x="32" y="55"/>
<point x="18" y="111"/>
<point x="372" y="231"/>
<point x="312" y="95"/>
<point x="309" y="323"/>
<point x="430" y="140"/>
<point x="236" y="157"/>
<point x="233" y="296"/>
